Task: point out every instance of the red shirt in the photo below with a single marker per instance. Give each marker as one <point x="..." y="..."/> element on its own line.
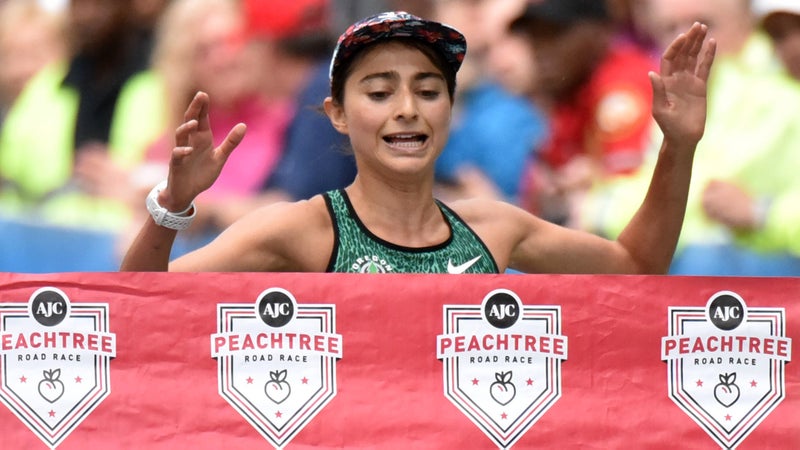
<point x="609" y="117"/>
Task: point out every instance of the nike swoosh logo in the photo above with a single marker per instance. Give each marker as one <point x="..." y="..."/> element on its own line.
<point x="463" y="267"/>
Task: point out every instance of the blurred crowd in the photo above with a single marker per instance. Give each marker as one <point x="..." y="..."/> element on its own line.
<point x="552" y="113"/>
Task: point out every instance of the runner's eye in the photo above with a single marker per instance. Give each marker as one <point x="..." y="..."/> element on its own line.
<point x="430" y="94"/>
<point x="378" y="95"/>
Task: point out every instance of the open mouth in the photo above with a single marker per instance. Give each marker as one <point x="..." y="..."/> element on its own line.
<point x="406" y="140"/>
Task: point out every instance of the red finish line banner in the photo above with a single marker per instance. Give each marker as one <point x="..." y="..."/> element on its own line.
<point x="297" y="361"/>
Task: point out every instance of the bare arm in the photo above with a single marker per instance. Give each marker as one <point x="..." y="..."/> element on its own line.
<point x="281" y="237"/>
<point x="194" y="166"/>
<point x="679" y="108"/>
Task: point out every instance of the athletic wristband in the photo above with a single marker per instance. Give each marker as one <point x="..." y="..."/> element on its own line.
<point x="162" y="217"/>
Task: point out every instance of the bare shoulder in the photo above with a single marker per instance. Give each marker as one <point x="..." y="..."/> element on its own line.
<point x="522" y="241"/>
<point x="286" y="237"/>
<point x="313" y="213"/>
<point x="299" y="233"/>
<point x="500" y="225"/>
<point x="478" y="210"/>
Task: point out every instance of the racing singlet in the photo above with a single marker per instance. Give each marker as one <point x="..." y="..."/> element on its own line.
<point x="357" y="250"/>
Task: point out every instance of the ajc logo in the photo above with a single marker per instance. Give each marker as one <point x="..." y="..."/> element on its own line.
<point x="277" y="361"/>
<point x="502" y="363"/>
<point x="55" y="361"/>
<point x="725" y="364"/>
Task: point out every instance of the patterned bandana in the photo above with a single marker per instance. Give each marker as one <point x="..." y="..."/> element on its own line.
<point x="398" y="24"/>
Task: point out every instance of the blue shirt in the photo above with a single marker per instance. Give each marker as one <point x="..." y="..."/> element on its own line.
<point x="495" y="132"/>
<point x="316" y="158"/>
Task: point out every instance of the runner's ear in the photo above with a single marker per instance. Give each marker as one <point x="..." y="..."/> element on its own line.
<point x="335" y="113"/>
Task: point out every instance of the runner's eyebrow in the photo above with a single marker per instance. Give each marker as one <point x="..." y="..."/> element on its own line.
<point x="426" y="75"/>
<point x="389" y="75"/>
<point x="393" y="76"/>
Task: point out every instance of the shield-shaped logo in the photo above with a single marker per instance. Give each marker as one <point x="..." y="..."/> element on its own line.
<point x="55" y="362"/>
<point x="725" y="364"/>
<point x="277" y="361"/>
<point x="502" y="363"/>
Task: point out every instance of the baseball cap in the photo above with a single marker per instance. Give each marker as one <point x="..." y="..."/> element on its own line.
<point x="285" y="19"/>
<point x="562" y="12"/>
<point x="399" y="24"/>
<point x="763" y="8"/>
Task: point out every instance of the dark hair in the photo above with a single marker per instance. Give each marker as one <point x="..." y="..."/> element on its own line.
<point x="315" y="46"/>
<point x="340" y="74"/>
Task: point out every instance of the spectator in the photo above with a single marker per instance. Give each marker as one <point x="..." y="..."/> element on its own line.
<point x="597" y="91"/>
<point x="345" y="12"/>
<point x="778" y="226"/>
<point x="80" y="121"/>
<point x="291" y="146"/>
<point x="214" y="59"/>
<point x="147" y="14"/>
<point x="485" y="115"/>
<point x="30" y="38"/>
<point x="745" y="166"/>
<point x="511" y="61"/>
<point x="781" y="20"/>
<point x="632" y="18"/>
<point x="295" y="37"/>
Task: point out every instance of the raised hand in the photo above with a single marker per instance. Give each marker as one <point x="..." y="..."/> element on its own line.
<point x="195" y="163"/>
<point x="679" y="91"/>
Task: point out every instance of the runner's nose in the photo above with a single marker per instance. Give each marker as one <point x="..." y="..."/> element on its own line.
<point x="406" y="106"/>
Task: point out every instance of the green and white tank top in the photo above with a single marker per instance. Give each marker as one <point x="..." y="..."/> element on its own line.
<point x="357" y="250"/>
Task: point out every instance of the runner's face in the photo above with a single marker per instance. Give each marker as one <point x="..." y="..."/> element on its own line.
<point x="396" y="110"/>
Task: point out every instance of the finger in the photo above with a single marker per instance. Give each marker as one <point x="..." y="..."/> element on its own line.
<point x="179" y="154"/>
<point x="233" y="139"/>
<point x="195" y="106"/>
<point x="202" y="115"/>
<point x="704" y="68"/>
<point x="669" y="60"/>
<point x="696" y="35"/>
<point x="659" y="90"/>
<point x="183" y="132"/>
